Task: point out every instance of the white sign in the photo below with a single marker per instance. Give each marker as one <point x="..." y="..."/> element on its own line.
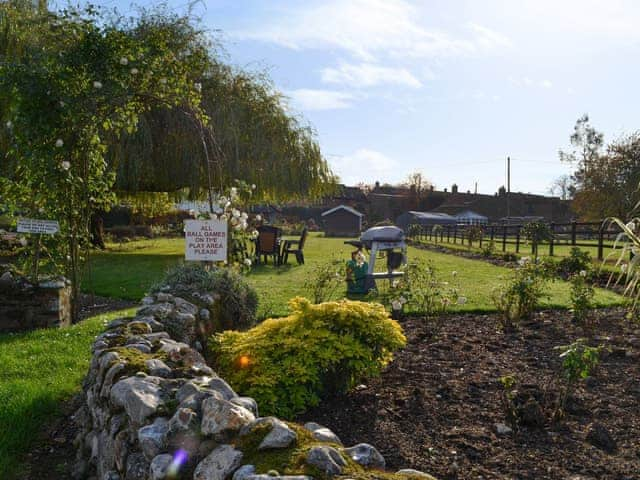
<point x="33" y="225"/>
<point x="205" y="240"/>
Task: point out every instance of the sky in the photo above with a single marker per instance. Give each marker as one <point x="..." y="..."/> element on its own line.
<point x="449" y="88"/>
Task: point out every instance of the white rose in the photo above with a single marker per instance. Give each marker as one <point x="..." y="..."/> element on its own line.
<point x="97" y="85"/>
<point x="583" y="273"/>
<point x="247" y="262"/>
<point x="9" y="124"/>
<point x="198" y="86"/>
<point x="65" y="165"/>
<point x="134" y="71"/>
<point x="59" y="143"/>
<point x="23" y="241"/>
<point x="244" y="215"/>
<point x="259" y="218"/>
<point x="223" y="216"/>
<point x="213" y="216"/>
<point x="124" y="61"/>
<point x="253" y="186"/>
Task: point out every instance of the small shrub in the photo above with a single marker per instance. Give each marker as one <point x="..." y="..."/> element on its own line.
<point x="487" y="249"/>
<point x="519" y="297"/>
<point x="578" y="361"/>
<point x="535" y="233"/>
<point x="436" y="231"/>
<point x="290" y="363"/>
<point x="325" y="281"/>
<point x="577" y="261"/>
<point x="507" y="398"/>
<point x="420" y="290"/>
<point x="474" y="234"/>
<point x="235" y="301"/>
<point x="582" y="293"/>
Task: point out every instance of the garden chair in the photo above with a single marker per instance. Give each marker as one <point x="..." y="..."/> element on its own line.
<point x="268" y="244"/>
<point x="295" y="247"/>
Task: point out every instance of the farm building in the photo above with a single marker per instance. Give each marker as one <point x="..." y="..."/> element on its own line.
<point x="469" y="217"/>
<point x="342" y="221"/>
<point x="423" y="219"/>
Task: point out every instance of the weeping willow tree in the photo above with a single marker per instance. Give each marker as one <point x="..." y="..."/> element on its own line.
<point x="250" y="136"/>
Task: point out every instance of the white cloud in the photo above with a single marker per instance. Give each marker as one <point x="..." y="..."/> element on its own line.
<point x="364" y="165"/>
<point x="369" y="75"/>
<point x="528" y="82"/>
<point x="310" y="99"/>
<point x="368" y="29"/>
<point x="546" y="84"/>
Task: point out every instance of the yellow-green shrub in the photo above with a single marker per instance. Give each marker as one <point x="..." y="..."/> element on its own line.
<point x="288" y="364"/>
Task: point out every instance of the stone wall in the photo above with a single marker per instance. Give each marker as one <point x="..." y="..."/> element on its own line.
<point x="24" y="306"/>
<point x="152" y="409"/>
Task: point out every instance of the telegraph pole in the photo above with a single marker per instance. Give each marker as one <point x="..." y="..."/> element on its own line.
<point x="508" y="185"/>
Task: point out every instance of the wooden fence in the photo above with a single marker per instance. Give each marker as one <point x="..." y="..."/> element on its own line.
<point x="598" y="235"/>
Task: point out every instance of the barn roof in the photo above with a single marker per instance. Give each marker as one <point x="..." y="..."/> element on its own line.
<point x="343" y="207"/>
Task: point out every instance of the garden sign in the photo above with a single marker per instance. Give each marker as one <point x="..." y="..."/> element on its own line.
<point x="205" y="240"/>
<point x="32" y="225"/>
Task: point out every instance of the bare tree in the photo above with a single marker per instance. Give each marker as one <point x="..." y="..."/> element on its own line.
<point x="417" y="180"/>
<point x="562" y="187"/>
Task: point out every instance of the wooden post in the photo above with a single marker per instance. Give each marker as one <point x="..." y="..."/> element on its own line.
<point x="601" y="243"/>
<point x="504" y="238"/>
<point x="455" y="234"/>
<point x="553" y="231"/>
<point x="518" y="241"/>
<point x="573" y="233"/>
<point x="492" y="232"/>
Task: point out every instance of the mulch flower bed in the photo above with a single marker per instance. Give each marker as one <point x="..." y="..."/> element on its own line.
<point x="437" y="405"/>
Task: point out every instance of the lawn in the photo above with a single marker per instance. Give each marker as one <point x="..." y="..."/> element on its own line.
<point x="40" y="369"/>
<point x="127" y="271"/>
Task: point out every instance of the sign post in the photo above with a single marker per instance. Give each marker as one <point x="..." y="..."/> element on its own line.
<point x="205" y="240"/>
<point x="37" y="227"/>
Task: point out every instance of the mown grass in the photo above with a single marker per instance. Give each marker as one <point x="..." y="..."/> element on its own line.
<point x="128" y="271"/>
<point x="38" y="371"/>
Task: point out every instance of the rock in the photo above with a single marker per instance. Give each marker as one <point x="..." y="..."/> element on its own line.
<point x="140" y="397"/>
<point x="147" y="300"/>
<point x="205" y="314"/>
<point x="322" y="434"/>
<point x="183" y="432"/>
<point x="152" y="437"/>
<point x="599" y="437"/>
<point x="244" y="472"/>
<point x="219" y="385"/>
<point x="159" y="311"/>
<point x="416" y="474"/>
<point x="366" y="455"/>
<point x="111" y="475"/>
<point x="219" y="464"/>
<point x="139" y="327"/>
<point x="220" y="416"/>
<point x="141" y="347"/>
<point x="163" y="297"/>
<point x="280" y="436"/>
<point x="185" y="307"/>
<point x="6" y="280"/>
<point x="158" y="368"/>
<point x="246" y="402"/>
<point x="109" y="377"/>
<point x="502" y="429"/>
<point x="189" y="388"/>
<point x="327" y="459"/>
<point x="199" y="368"/>
<point x="170" y="346"/>
<point x="159" y="468"/>
<point x="278" y="477"/>
<point x="137" y="467"/>
<point x="155" y="336"/>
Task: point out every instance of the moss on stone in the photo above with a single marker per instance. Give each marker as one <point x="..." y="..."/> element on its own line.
<point x="135" y="360"/>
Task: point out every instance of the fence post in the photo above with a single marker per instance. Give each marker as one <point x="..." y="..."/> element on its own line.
<point x="518" y="240"/>
<point x="553" y="231"/>
<point x="601" y="243"/>
<point x="504" y="238"/>
<point x="455" y="234"/>
<point x="573" y="233"/>
<point x="481" y="237"/>
<point x="448" y="233"/>
<point x="493" y="232"/>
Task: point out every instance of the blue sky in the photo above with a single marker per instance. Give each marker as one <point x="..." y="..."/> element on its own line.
<point x="449" y="88"/>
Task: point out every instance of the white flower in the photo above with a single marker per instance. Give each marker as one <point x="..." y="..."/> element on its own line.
<point x="124" y="61"/>
<point x="65" y="165"/>
<point x="223" y="216"/>
<point x="234" y="221"/>
<point x="9" y="124"/>
<point x="583" y="273"/>
<point x="41" y="210"/>
<point x="253" y="186"/>
<point x="258" y="218"/>
<point x="454" y="273"/>
<point x="244" y="215"/>
<point x="23" y="241"/>
<point x="62" y="104"/>
<point x="213" y="216"/>
<point x="59" y="143"/>
<point x="247" y="262"/>
<point x="254" y="234"/>
<point x="396" y="305"/>
<point x="198" y="86"/>
<point x="227" y="205"/>
<point x="192" y="213"/>
<point x="223" y="199"/>
<point x="462" y="300"/>
<point x="97" y="85"/>
<point x="134" y="71"/>
<point x="395" y="283"/>
<point x="163" y="81"/>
